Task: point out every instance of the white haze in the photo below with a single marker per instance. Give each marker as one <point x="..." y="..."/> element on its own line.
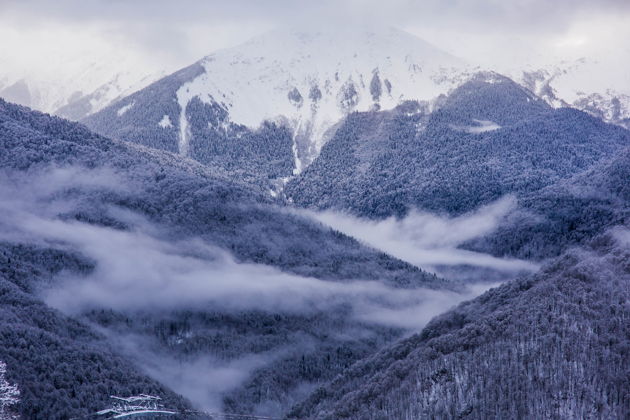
<point x="203" y="379"/>
<point x="164" y="31"/>
<point x="136" y="270"/>
<point x="145" y="268"/>
<point x="428" y="240"/>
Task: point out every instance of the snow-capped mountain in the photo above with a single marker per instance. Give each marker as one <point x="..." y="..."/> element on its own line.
<point x="313" y="79"/>
<point x="487" y="138"/>
<point x="79" y="88"/>
<point x="308" y="80"/>
<point x="593" y="85"/>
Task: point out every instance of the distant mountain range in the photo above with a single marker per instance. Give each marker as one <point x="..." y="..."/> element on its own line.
<point x="294" y="89"/>
<point x="78" y="87"/>
<point x="598" y="87"/>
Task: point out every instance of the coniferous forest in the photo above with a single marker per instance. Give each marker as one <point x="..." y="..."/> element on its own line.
<point x="334" y="219"/>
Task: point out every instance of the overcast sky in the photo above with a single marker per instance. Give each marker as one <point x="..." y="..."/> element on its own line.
<point x="35" y="34"/>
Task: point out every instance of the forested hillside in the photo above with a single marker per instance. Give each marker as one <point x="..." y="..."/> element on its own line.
<point x="61" y="367"/>
<point x="191" y="198"/>
<point x="566" y="213"/>
<point x="129" y="241"/>
<point x="488" y="138"/>
<point x="553" y="345"/>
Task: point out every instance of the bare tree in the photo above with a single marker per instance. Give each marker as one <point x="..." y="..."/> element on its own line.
<point x="8" y="395"/>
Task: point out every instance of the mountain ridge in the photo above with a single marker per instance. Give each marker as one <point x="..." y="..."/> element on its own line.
<point x="487" y="138"/>
<point x="305" y="81"/>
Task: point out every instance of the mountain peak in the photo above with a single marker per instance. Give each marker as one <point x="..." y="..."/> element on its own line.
<point x="311" y="78"/>
<point x="324" y="43"/>
<point x="304" y="81"/>
<point x="490" y="96"/>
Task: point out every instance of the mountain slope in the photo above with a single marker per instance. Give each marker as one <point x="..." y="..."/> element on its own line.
<point x="62" y="368"/>
<point x="566" y="213"/>
<point x="181" y="267"/>
<point x="305" y="81"/>
<point x="554" y="345"/>
<point x="488" y="138"/>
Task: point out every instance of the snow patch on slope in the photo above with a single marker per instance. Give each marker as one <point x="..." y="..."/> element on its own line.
<point x="482" y="126"/>
<point x="121" y="111"/>
<point x="184" y="131"/>
<point x="165" y="122"/>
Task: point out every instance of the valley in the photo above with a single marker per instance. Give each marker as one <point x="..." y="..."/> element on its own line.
<point x="316" y="224"/>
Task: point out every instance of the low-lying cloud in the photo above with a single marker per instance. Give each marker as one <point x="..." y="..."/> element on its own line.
<point x="135" y="271"/>
<point x="428" y="240"/>
<point x="203" y="379"/>
<point x="143" y="267"/>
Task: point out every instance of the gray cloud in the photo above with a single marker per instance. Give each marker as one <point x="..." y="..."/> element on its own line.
<point x="138" y="271"/>
<point x="163" y="35"/>
<point x="523" y="13"/>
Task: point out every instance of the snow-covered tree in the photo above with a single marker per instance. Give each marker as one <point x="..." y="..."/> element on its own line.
<point x="8" y="395"/>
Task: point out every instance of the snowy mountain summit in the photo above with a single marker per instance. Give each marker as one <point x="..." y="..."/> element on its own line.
<point x="286" y="84"/>
<point x="75" y="89"/>
<point x="269" y="105"/>
<point x="599" y="86"/>
<point x="312" y="79"/>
